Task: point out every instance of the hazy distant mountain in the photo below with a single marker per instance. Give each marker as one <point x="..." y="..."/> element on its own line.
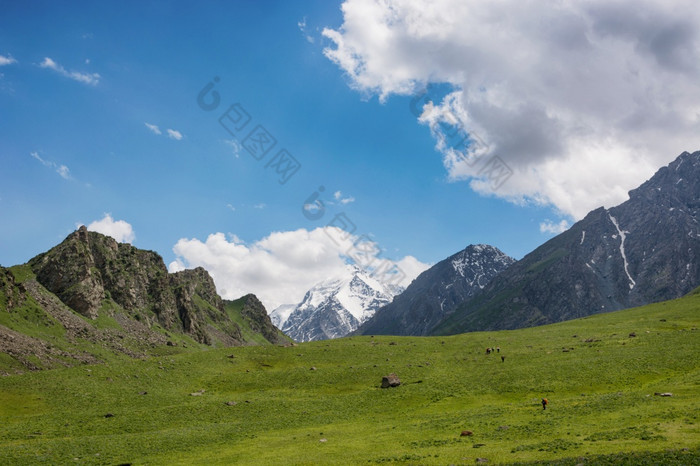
<point x="647" y="249"/>
<point x="334" y="307"/>
<point x="436" y="292"/>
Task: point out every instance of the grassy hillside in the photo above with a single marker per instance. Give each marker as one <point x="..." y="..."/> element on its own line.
<point x="321" y="402"/>
<point x="38" y="331"/>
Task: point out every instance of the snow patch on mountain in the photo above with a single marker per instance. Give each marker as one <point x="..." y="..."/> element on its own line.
<point x="622" y="234"/>
<point x="477" y="270"/>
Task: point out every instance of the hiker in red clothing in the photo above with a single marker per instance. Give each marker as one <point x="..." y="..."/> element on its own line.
<point x="545" y="402"/>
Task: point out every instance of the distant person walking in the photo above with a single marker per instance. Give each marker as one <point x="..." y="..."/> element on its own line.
<point x="545" y="402"/>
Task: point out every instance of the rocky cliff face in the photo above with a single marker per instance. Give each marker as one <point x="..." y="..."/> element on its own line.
<point x="644" y="250"/>
<point x="436" y="293"/>
<point x="255" y="315"/>
<point x="88" y="268"/>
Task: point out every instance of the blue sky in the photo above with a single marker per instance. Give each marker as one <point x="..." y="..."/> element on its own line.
<point x="99" y="115"/>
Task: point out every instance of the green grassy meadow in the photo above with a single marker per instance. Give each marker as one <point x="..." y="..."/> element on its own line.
<point x="321" y="402"/>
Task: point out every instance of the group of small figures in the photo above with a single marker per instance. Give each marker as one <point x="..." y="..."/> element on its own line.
<point x="497" y="349"/>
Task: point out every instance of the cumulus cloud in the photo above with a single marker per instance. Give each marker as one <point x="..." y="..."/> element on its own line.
<point x="173" y="134"/>
<point x="86" y="78"/>
<point x="554" y="228"/>
<point x="580" y="101"/>
<point x="281" y="267"/>
<point x="119" y="229"/>
<point x="62" y="170"/>
<point x="153" y="128"/>
<point x="6" y="60"/>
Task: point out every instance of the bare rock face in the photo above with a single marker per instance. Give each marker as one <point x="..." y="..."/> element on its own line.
<point x="198" y="304"/>
<point x="255" y="314"/>
<point x="70" y="272"/>
<point x="88" y="269"/>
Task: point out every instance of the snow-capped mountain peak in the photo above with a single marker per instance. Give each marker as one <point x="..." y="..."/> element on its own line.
<point x="335" y="307"/>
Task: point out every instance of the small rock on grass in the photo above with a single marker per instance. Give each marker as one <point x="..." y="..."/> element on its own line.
<point x="230" y="403"/>
<point x="466" y="433"/>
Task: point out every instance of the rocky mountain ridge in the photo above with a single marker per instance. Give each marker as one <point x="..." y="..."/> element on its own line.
<point x="91" y="288"/>
<point x="644" y="250"/>
<point x="436" y="292"/>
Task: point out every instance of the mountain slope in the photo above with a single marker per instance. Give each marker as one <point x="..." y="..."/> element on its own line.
<point x="436" y="292"/>
<point x="645" y="250"/>
<point x="335" y="307"/>
<point x="91" y="296"/>
<point x="256" y="327"/>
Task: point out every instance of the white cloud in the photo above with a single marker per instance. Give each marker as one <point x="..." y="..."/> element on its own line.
<point x="581" y="101"/>
<point x="338" y="196"/>
<point x="85" y="78"/>
<point x="235" y="146"/>
<point x="302" y="27"/>
<point x="261" y="205"/>
<point x="279" y="268"/>
<point x="6" y="60"/>
<point x="554" y="228"/>
<point x="62" y="170"/>
<point x="119" y="229"/>
<point x="173" y="134"/>
<point x="154" y="128"/>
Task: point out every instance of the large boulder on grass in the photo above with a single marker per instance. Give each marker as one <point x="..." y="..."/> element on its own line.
<point x="391" y="380"/>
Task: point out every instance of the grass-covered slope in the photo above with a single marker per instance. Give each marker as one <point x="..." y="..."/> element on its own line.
<point x="321" y="402"/>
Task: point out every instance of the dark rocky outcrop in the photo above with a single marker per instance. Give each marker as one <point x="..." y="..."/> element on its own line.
<point x="391" y="380"/>
<point x="88" y="268"/>
<point x="255" y="314"/>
